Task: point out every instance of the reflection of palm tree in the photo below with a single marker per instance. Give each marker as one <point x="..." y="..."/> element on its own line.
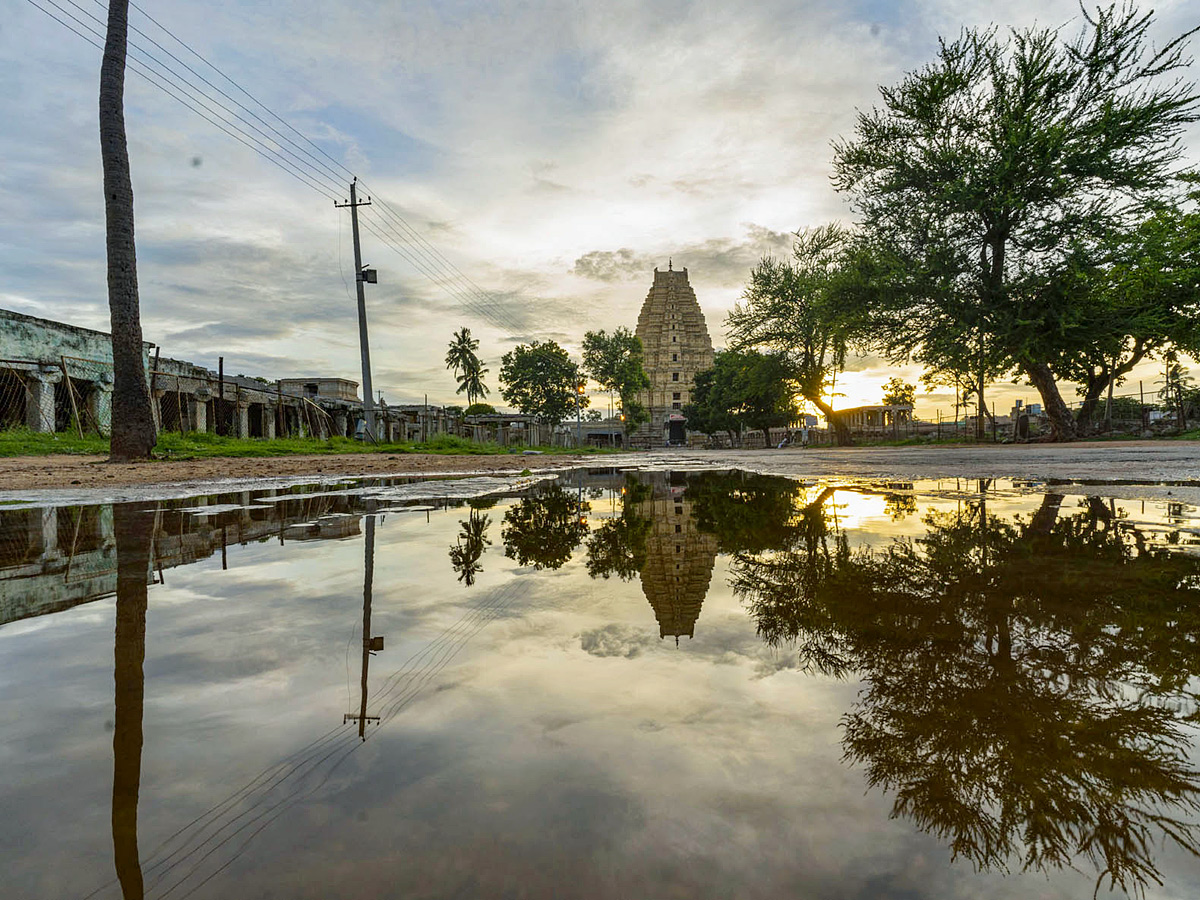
<point x="466" y="365"/>
<point x="133" y="537"/>
<point x="472" y="541"/>
<point x="1023" y="680"/>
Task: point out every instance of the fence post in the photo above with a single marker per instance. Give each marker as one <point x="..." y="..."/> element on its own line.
<point x="71" y="395"/>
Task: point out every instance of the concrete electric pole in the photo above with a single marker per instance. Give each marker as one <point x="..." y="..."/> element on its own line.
<point x="362" y="275"/>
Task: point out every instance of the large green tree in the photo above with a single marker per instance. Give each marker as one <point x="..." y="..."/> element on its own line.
<point x="1150" y="289"/>
<point x="993" y="181"/>
<point x="898" y="392"/>
<point x="541" y="380"/>
<point x="133" y="433"/>
<point x="468" y="369"/>
<point x="790" y="307"/>
<point x="744" y="389"/>
<point x="616" y="362"/>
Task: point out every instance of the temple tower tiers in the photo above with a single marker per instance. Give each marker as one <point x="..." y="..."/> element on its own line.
<point x="679" y="560"/>
<point x="677" y="346"/>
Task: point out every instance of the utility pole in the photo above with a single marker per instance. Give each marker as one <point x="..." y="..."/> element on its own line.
<point x="361" y="275"/>
<point x="221" y="395"/>
<point x="579" y="389"/>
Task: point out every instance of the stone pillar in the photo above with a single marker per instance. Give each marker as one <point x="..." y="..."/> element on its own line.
<point x="39" y="412"/>
<point x="99" y="406"/>
<point x="269" y="416"/>
<point x="242" y="424"/>
<point x="197" y="411"/>
<point x="339" y="422"/>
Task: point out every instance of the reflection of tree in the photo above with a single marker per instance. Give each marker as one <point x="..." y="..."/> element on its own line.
<point x="1027" y="681"/>
<point x="899" y="506"/>
<point x="746" y="511"/>
<point x="133" y="530"/>
<point x="544" y="528"/>
<point x="618" y="546"/>
<point x="472" y="541"/>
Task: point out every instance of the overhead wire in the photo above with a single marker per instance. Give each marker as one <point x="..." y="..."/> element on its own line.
<point x="165" y="84"/>
<point x="381" y="218"/>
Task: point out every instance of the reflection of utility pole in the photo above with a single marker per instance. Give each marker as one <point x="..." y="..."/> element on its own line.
<point x="369" y="644"/>
<point x="362" y="275"/>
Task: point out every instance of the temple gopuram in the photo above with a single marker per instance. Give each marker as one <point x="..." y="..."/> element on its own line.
<point x="677" y="346"/>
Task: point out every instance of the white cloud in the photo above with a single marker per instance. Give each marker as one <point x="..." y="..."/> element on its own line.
<point x="554" y="152"/>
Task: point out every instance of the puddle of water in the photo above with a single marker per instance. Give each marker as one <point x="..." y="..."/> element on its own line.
<point x="613" y="684"/>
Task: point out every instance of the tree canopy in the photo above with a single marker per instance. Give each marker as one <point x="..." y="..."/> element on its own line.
<point x="991" y="184"/>
<point x="616" y="362"/>
<point x="898" y="392"/>
<point x="540" y="380"/>
<point x="790" y="308"/>
<point x="467" y="368"/>
<point x="743" y="389"/>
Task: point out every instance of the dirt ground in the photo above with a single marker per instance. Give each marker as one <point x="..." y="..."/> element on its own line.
<point x="28" y="473"/>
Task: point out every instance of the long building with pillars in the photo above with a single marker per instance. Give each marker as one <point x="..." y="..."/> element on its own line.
<point x="677" y="346"/>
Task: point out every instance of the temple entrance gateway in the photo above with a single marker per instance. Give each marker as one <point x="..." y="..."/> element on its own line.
<point x="676" y="430"/>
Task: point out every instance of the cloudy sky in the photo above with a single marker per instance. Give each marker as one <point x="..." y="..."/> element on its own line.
<point x="553" y="152"/>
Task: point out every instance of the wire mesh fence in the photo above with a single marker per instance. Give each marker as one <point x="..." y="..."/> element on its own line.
<point x="72" y="396"/>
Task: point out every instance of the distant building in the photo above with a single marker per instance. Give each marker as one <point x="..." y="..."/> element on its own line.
<point x="877" y="420"/>
<point x="677" y="346"/>
<point x="326" y="388"/>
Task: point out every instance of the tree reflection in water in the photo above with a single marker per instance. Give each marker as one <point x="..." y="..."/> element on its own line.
<point x="1029" y="683"/>
<point x="472" y="541"/>
<point x="618" y="546"/>
<point x="132" y="528"/>
<point x="543" y="529"/>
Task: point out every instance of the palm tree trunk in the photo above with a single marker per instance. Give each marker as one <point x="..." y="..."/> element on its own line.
<point x="133" y="434"/>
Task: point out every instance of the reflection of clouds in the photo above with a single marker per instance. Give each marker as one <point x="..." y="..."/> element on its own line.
<point x="577" y="755"/>
<point x="616" y="640"/>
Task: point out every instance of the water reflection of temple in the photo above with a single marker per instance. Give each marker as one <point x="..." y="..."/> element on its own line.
<point x="679" y="557"/>
<point x="53" y="559"/>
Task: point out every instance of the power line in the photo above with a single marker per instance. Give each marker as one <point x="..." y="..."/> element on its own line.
<point x="157" y="80"/>
<point x="391" y="227"/>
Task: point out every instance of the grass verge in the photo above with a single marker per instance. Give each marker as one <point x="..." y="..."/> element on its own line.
<point x="201" y="445"/>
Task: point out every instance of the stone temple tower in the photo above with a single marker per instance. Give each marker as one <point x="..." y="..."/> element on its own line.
<point x="677" y="346"/>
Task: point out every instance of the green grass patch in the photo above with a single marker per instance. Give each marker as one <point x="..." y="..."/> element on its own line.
<point x="203" y="445"/>
<point x="23" y="442"/>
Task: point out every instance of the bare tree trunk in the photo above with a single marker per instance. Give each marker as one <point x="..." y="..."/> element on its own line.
<point x="834" y="419"/>
<point x="1102" y="379"/>
<point x="133" y="434"/>
<point x="1057" y="411"/>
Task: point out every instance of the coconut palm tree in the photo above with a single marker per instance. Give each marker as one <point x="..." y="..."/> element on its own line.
<point x="133" y="434"/>
<point x="471" y="383"/>
<point x="466" y="365"/>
